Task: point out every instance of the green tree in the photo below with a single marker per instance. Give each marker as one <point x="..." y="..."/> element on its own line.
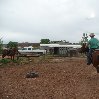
<point x="84" y="38"/>
<point x="45" y="41"/>
<point x="12" y="44"/>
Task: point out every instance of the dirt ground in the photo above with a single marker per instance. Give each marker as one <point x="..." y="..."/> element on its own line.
<point x="59" y="78"/>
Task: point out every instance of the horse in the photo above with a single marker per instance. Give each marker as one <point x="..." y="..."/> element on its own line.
<point x="10" y="52"/>
<point x="95" y="59"/>
<point x="95" y="56"/>
<point x="83" y="49"/>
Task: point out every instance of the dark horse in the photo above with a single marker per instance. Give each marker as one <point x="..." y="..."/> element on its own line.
<point x="95" y="56"/>
<point x="95" y="59"/>
<point x="10" y="52"/>
<point x="83" y="49"/>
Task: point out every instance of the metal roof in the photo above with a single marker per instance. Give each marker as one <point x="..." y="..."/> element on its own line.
<point x="58" y="45"/>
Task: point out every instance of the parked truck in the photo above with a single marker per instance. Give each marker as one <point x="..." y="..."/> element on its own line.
<point x="31" y="50"/>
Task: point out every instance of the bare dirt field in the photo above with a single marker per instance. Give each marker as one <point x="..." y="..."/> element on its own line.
<point x="59" y="78"/>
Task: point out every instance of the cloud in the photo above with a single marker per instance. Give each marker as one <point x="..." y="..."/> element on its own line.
<point x="31" y="20"/>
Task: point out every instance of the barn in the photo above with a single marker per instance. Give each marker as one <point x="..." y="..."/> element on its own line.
<point x="61" y="50"/>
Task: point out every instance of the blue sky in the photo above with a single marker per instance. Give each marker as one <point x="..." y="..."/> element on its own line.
<point x="32" y="20"/>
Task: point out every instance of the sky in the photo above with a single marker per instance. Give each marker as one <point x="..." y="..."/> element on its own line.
<point x="33" y="20"/>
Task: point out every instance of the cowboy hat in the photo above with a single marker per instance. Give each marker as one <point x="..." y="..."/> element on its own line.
<point x="92" y="34"/>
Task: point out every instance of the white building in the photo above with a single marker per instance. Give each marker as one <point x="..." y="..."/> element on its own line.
<point x="58" y="49"/>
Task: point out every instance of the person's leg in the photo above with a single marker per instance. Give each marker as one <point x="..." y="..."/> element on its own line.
<point x="89" y="57"/>
<point x="92" y="50"/>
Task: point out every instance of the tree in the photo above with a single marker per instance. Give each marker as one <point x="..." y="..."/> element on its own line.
<point x="45" y="41"/>
<point x="84" y="38"/>
<point x="12" y="44"/>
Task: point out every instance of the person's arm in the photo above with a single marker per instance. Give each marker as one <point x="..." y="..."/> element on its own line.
<point x="97" y="42"/>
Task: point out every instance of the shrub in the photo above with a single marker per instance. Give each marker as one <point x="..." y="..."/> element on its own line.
<point x="5" y="61"/>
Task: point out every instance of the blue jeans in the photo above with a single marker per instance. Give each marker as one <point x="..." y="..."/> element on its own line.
<point x="89" y="56"/>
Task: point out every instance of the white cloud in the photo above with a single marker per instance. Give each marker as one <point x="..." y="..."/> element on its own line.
<point x="53" y="19"/>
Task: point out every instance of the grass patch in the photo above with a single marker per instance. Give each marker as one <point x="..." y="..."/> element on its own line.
<point x="5" y="61"/>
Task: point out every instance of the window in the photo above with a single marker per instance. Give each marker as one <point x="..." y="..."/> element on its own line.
<point x="29" y="48"/>
<point x="24" y="49"/>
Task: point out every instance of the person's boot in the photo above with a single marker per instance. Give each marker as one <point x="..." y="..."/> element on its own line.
<point x="88" y="63"/>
